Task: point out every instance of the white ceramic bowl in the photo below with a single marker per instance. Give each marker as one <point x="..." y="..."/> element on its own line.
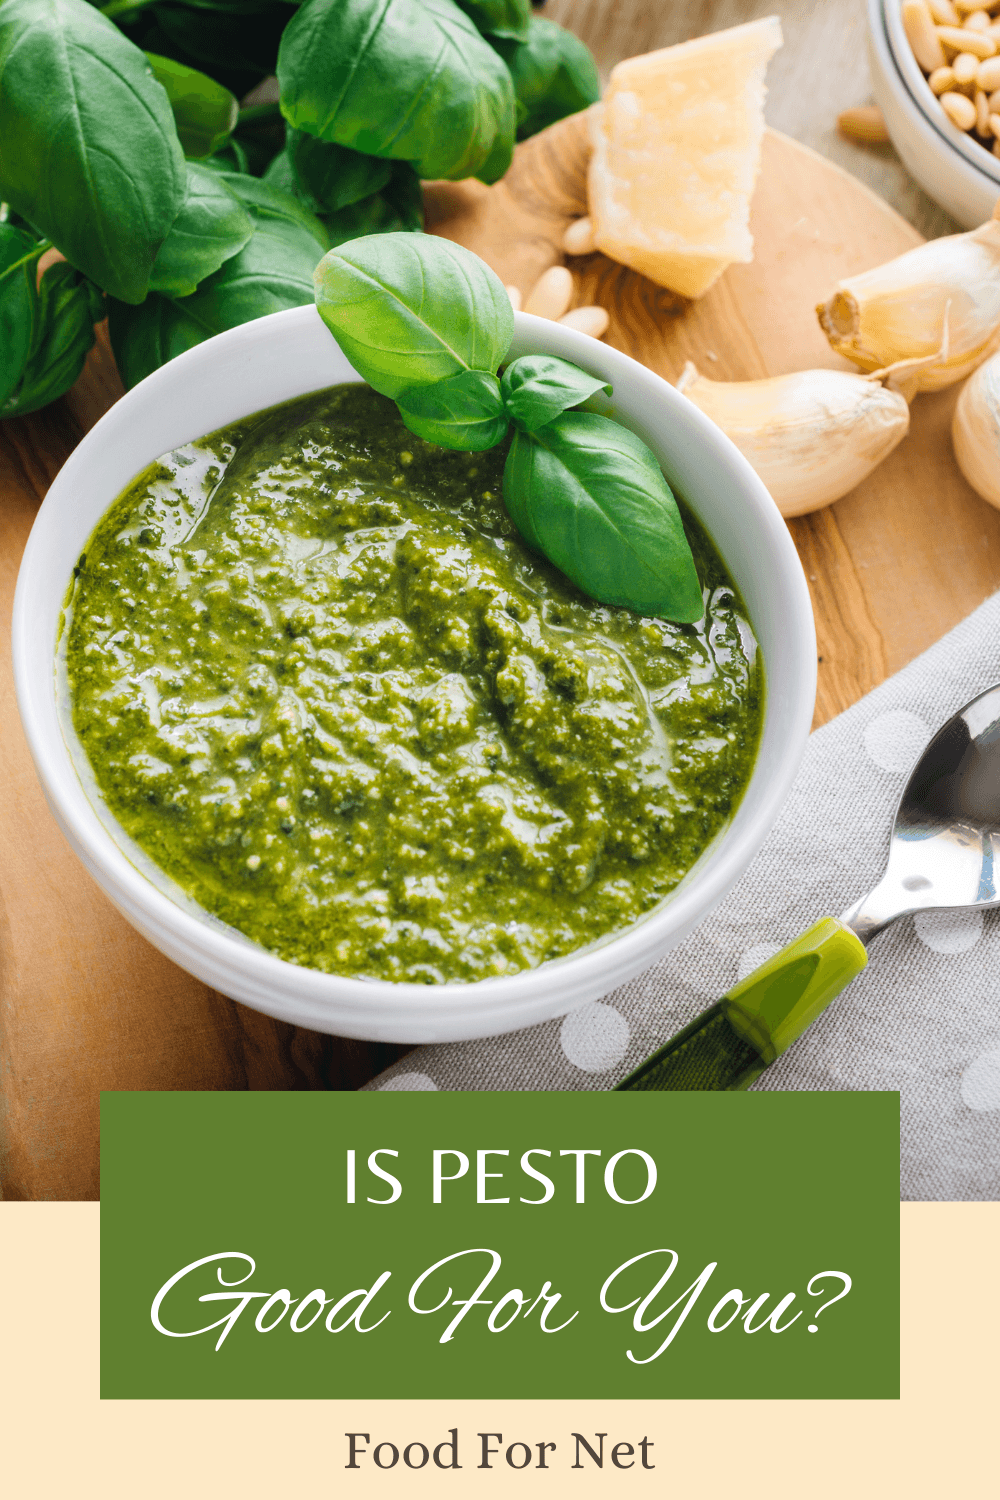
<point x="953" y="168"/>
<point x="290" y="354"/>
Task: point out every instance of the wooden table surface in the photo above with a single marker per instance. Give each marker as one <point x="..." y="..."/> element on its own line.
<point x="872" y="617"/>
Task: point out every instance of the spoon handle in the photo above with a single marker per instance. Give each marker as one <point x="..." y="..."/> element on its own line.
<point x="730" y="1044"/>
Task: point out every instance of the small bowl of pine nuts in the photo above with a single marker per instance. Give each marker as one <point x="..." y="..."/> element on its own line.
<point x="936" y="77"/>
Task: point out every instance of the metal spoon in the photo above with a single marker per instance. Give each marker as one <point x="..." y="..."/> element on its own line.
<point x="944" y="853"/>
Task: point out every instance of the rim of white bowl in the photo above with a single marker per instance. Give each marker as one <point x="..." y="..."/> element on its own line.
<point x="923" y="97"/>
<point x="383" y="1009"/>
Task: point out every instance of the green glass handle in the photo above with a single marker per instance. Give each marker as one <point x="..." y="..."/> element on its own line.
<point x="730" y="1044"/>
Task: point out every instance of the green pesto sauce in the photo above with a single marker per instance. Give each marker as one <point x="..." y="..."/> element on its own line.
<point x="327" y="689"/>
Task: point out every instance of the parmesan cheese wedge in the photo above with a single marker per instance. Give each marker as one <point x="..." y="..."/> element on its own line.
<point x="677" y="142"/>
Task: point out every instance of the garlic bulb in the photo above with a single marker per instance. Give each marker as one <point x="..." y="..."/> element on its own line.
<point x="975" y="431"/>
<point x="904" y="310"/>
<point x="811" y="436"/>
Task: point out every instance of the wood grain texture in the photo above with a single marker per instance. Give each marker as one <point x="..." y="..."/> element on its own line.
<point x="85" y="1004"/>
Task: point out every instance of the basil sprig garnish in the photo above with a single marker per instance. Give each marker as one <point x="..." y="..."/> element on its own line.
<point x="465" y="411"/>
<point x="590" y="495"/>
<point x="537" y="387"/>
<point x="410" y="309"/>
<point x="428" y="323"/>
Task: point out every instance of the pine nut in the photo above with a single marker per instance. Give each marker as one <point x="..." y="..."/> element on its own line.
<point x="922" y="35"/>
<point x="592" y="320"/>
<point x="982" y="114"/>
<point x="866" y="123"/>
<point x="514" y="294"/>
<point x="962" y="63"/>
<point x="960" y="110"/>
<point x="552" y="293"/>
<point x="966" y="70"/>
<point x="995" y="127"/>
<point x="941" y="80"/>
<point x="957" y="39"/>
<point x="579" y="238"/>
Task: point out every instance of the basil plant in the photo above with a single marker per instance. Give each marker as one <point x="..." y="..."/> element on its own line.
<point x="180" y="211"/>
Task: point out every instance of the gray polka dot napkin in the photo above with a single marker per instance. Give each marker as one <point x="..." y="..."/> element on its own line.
<point x="924" y="1018"/>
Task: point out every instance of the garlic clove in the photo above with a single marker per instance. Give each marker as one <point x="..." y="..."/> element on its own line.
<point x="514" y="293"/>
<point x="897" y="311"/>
<point x="812" y="436"/>
<point x="975" y="431"/>
<point x="906" y="375"/>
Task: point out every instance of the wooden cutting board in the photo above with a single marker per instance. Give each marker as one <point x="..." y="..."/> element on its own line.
<point x="86" y="1004"/>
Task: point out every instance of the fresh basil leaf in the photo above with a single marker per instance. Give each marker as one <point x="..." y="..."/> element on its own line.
<point x="408" y="79"/>
<point x="261" y="131"/>
<point x="10" y="216"/>
<point x="237" y="49"/>
<point x="234" y="7"/>
<point x="68" y="307"/>
<point x="590" y="496"/>
<point x="509" y="19"/>
<point x="463" y="412"/>
<point x="229" y="158"/>
<point x="537" y="387"/>
<point x="499" y="159"/>
<point x="330" y="177"/>
<point x="404" y="195"/>
<point x="399" y="206"/>
<point x="554" y="76"/>
<point x="280" y="174"/>
<point x="210" y="228"/>
<point x="16" y="244"/>
<point x="274" y="270"/>
<point x="19" y="253"/>
<point x="128" y="10"/>
<point x="408" y="309"/>
<point x="88" y="148"/>
<point x="146" y="337"/>
<point x="264" y="200"/>
<point x="205" y="113"/>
